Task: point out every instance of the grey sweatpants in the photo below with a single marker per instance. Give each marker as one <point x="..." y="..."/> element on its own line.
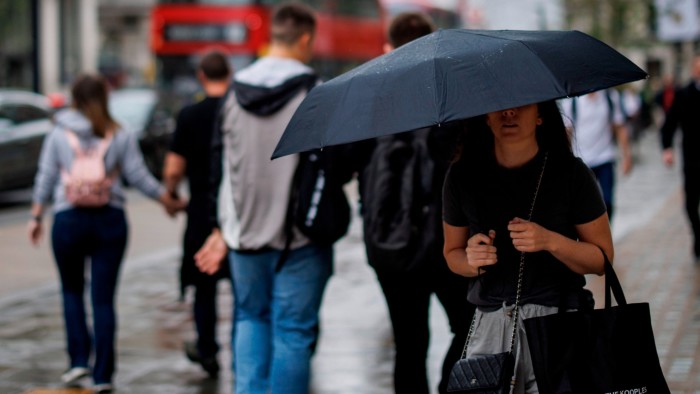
<point x="492" y="333"/>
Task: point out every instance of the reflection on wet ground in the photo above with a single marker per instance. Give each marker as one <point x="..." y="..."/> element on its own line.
<point x="355" y="349"/>
<point x="354" y="353"/>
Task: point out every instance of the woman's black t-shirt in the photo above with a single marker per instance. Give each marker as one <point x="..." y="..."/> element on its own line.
<point x="484" y="196"/>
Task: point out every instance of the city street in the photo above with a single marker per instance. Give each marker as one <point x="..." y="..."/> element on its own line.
<point x="653" y="260"/>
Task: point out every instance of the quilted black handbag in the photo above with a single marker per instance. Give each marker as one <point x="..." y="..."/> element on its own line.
<point x="485" y="373"/>
<point x="491" y="373"/>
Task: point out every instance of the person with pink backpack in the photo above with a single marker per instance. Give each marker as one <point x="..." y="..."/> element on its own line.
<point x="81" y="162"/>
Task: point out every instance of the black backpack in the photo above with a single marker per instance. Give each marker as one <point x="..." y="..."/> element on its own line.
<point x="318" y="206"/>
<point x="399" y="210"/>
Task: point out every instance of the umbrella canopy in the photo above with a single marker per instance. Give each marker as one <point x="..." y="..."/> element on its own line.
<point x="451" y="75"/>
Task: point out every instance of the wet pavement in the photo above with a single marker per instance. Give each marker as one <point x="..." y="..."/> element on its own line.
<point x="653" y="260"/>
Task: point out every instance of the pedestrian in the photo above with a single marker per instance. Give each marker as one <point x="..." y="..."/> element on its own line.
<point x="408" y="291"/>
<point x="89" y="221"/>
<point x="189" y="157"/>
<point x="664" y="96"/>
<point x="518" y="163"/>
<point x="600" y="131"/>
<point x="276" y="298"/>
<point x="683" y="113"/>
<point x="631" y="107"/>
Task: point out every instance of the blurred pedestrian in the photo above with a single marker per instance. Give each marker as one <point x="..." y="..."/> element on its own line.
<point x="275" y="322"/>
<point x="600" y="132"/>
<point x="664" y="97"/>
<point x="189" y="157"/>
<point x="80" y="165"/>
<point x="408" y="290"/>
<point x="684" y="113"/>
<point x="645" y="116"/>
<point x="518" y="197"/>
<point x="635" y="105"/>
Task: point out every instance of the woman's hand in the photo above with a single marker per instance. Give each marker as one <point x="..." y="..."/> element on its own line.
<point x="528" y="236"/>
<point x="35" y="231"/>
<point x="172" y="203"/>
<point x="480" y="250"/>
<point x="460" y="248"/>
<point x="581" y="255"/>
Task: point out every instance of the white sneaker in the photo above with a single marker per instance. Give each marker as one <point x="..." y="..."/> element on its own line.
<point x="74" y="374"/>
<point x="103" y="388"/>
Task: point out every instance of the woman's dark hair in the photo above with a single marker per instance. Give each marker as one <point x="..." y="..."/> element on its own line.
<point x="552" y="134"/>
<point x="477" y="138"/>
<point x="89" y="94"/>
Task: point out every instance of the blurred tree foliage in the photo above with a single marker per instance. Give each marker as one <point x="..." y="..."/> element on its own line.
<point x="617" y="22"/>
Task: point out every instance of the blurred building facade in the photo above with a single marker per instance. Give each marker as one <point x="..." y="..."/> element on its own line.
<point x="521" y="15"/>
<point x="124" y="32"/>
<point x="45" y="42"/>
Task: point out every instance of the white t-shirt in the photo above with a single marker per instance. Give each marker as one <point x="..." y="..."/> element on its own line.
<point x="592" y="131"/>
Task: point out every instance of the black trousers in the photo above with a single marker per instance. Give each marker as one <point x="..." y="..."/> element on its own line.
<point x="408" y="299"/>
<point x="691" y="175"/>
<point x="204" y="306"/>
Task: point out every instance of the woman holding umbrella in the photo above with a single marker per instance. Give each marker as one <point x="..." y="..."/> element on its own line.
<point x="523" y="218"/>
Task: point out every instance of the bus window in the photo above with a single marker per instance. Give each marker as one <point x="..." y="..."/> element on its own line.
<point x="358" y="8"/>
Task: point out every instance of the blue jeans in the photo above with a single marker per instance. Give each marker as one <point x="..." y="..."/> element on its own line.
<point x="605" y="174"/>
<point x="276" y="320"/>
<point x="101" y="235"/>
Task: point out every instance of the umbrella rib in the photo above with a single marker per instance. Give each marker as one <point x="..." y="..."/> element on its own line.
<point x="549" y="72"/>
<point x="436" y="100"/>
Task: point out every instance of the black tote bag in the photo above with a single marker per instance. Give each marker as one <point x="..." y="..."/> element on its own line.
<point x="604" y="351"/>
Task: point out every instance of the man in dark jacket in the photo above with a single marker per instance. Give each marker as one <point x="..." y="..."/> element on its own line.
<point x="408" y="290"/>
<point x="683" y="113"/>
<point x="189" y="156"/>
<point x="275" y="322"/>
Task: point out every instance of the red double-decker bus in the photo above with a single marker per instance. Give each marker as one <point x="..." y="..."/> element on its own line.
<point x="349" y="33"/>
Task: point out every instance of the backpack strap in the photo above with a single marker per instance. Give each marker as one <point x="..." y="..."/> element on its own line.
<point x="289" y="217"/>
<point x="74" y="142"/>
<point x="102" y="147"/>
<point x="611" y="107"/>
<point x="104" y="143"/>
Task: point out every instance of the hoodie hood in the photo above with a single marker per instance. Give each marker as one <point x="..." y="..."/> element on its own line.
<point x="75" y="121"/>
<point x="267" y="85"/>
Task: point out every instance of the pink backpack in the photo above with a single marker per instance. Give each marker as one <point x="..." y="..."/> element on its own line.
<point x="87" y="184"/>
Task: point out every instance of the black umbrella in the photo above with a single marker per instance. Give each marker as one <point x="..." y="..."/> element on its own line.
<point x="450" y="75"/>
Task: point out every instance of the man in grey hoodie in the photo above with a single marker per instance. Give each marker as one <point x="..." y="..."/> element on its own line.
<point x="276" y="307"/>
